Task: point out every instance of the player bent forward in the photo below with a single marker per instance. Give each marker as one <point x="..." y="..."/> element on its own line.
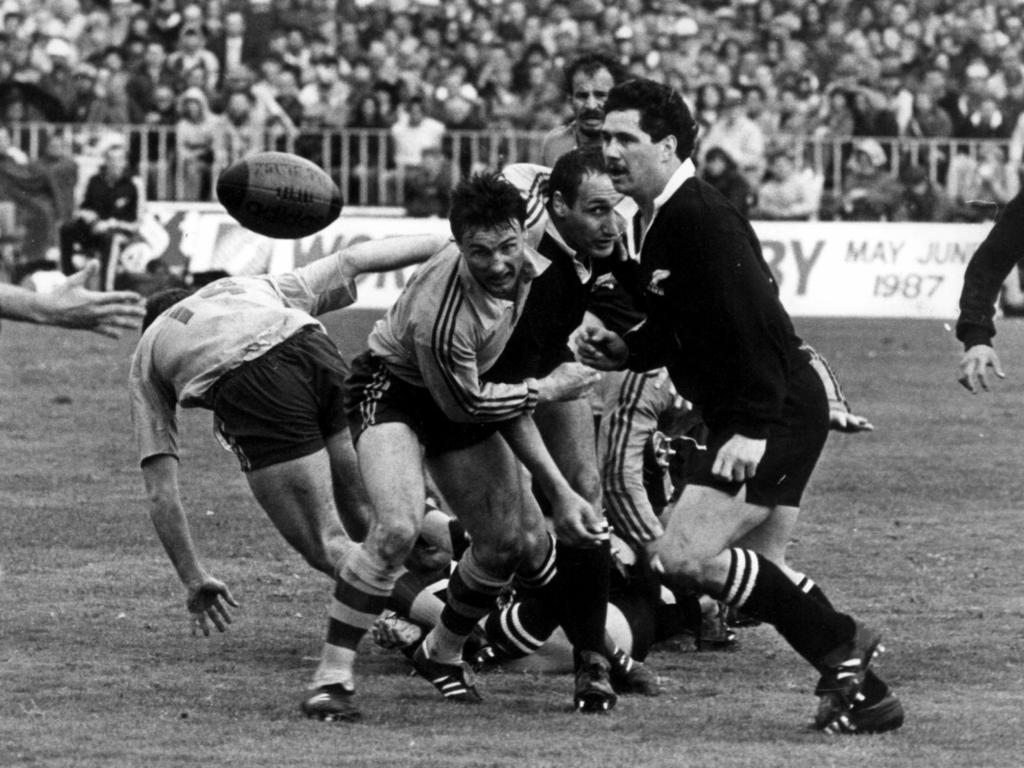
<point x="251" y="350"/>
<point x="421" y="376"/>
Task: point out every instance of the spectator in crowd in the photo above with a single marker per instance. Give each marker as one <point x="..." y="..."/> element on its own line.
<point x="869" y="191"/>
<point x="109" y="104"/>
<point x="148" y="74"/>
<point x="428" y="185"/>
<point x="414" y="133"/>
<point x="30" y="190"/>
<point x="167" y="23"/>
<point x="789" y="193"/>
<point x="59" y="81"/>
<point x="720" y="171"/>
<point x="237" y="132"/>
<point x="325" y="99"/>
<point x="287" y="95"/>
<point x="739" y="136"/>
<point x="587" y="82"/>
<point x="195" y="133"/>
<point x="981" y="186"/>
<point x="367" y="152"/>
<point x="234" y="45"/>
<point x="192" y="53"/>
<point x="987" y="121"/>
<point x="56" y="162"/>
<point x="923" y="199"/>
<point x="109" y="207"/>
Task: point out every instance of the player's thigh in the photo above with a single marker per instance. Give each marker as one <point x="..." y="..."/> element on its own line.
<point x="704" y="522"/>
<point x="568" y="431"/>
<point x="298" y="498"/>
<point x="391" y="466"/>
<point x="771" y="537"/>
<point x="483" y="487"/>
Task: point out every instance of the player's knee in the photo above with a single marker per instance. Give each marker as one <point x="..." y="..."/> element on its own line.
<point x="394" y="539"/>
<point x="500" y="553"/>
<point x="685" y="570"/>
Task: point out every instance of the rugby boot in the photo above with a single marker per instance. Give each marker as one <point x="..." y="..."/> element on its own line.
<point x="454" y="681"/>
<point x="593" y="690"/>
<point x="843" y="671"/>
<point x="631" y="676"/>
<point x="331" y="703"/>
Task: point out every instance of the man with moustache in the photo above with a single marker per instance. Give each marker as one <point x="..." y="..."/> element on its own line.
<point x="588" y="79"/>
<point x="715" y="320"/>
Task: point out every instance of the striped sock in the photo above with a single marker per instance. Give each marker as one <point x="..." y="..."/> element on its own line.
<point x="519" y="629"/>
<point x="761" y="589"/>
<point x="543" y="575"/>
<point x="472" y="594"/>
<point x="360" y="595"/>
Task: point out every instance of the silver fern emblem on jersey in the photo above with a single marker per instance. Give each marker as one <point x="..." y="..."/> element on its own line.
<point x="658" y="276"/>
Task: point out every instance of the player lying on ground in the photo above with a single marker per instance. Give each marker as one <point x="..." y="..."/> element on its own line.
<point x="251" y="350"/>
<point x="640" y="611"/>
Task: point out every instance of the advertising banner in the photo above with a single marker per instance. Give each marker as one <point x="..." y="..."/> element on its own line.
<point x="824" y="269"/>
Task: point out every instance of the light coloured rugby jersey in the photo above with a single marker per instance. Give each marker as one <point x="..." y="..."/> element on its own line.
<point x="445" y="330"/>
<point x="229" y="322"/>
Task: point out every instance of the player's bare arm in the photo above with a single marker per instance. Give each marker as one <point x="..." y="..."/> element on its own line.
<point x="208" y="597"/>
<point x="575" y="521"/>
<point x="72" y="305"/>
<point x="976" y="366"/>
<point x="388" y="253"/>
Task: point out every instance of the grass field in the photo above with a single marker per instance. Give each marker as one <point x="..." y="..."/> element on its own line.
<point x="915" y="527"/>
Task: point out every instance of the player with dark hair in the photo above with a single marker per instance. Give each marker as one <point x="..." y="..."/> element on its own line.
<point x="410" y="399"/>
<point x="715" y="320"/>
<point x="251" y="350"/>
<point x="588" y="78"/>
<point x="983" y="279"/>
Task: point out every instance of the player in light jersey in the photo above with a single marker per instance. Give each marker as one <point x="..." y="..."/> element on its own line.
<point x="408" y="396"/>
<point x="251" y="350"/>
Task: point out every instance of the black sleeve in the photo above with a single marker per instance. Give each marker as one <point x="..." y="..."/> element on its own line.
<point x="986" y="271"/>
<point x="94" y="199"/>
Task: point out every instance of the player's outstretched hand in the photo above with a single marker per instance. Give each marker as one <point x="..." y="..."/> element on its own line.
<point x="576" y="523"/>
<point x="738" y="458"/>
<point x="566" y="382"/>
<point x="602" y="349"/>
<point x="206" y="604"/>
<point x="974" y="367"/>
<point x="844" y="421"/>
<point x="72" y="305"/>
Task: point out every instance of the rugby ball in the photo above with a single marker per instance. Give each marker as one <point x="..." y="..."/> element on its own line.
<point x="279" y="195"/>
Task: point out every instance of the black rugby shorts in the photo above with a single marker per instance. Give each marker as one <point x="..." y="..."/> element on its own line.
<point x="374" y="395"/>
<point x="284" y="404"/>
<point x="791" y="452"/>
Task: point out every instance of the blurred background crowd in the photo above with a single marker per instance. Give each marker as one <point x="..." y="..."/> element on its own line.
<point x="852" y="109"/>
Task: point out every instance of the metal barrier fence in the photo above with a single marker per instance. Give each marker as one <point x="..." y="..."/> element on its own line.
<point x="361" y="160"/>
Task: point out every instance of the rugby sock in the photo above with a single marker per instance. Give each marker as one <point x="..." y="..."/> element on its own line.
<point x="360" y="594"/>
<point x="528" y="581"/>
<point x="521" y="628"/>
<point x="472" y="594"/>
<point x="874" y="688"/>
<point x="761" y="589"/>
<point x="584" y="574"/>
